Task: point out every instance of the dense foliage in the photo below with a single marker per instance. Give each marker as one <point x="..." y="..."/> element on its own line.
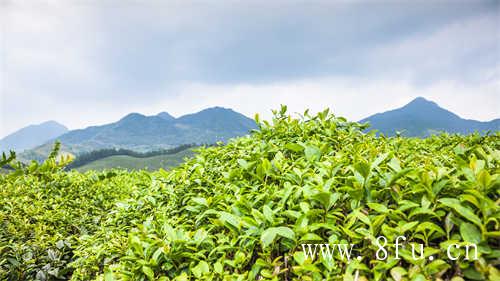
<point x="242" y="210"/>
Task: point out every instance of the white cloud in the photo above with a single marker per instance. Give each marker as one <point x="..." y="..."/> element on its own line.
<point x="87" y="63"/>
<point x="49" y="45"/>
<point x="354" y="98"/>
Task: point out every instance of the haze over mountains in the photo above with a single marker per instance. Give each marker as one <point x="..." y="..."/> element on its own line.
<point x="32" y="135"/>
<point x="138" y="132"/>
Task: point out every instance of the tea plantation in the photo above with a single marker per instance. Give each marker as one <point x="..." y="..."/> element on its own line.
<point x="241" y="211"/>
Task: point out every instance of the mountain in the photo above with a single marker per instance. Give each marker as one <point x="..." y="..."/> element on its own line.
<point x="165" y="116"/>
<point x="142" y="133"/>
<point x="218" y="122"/>
<point x="32" y="136"/>
<point x="422" y="117"/>
<point x="162" y="131"/>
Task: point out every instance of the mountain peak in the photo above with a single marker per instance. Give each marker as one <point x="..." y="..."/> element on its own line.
<point x="32" y="135"/>
<point x="422" y="117"/>
<point x="420" y="101"/>
<point x="53" y="123"/>
<point x="217" y="109"/>
<point x="165" y="116"/>
<point x="132" y="116"/>
<point x="212" y="112"/>
<point x="220" y="119"/>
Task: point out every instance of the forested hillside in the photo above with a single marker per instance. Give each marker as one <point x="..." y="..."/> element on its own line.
<point x="422" y="118"/>
<point x="148" y="133"/>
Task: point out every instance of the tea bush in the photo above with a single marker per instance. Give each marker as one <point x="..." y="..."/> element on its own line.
<point x="241" y="211"/>
<point x="43" y="212"/>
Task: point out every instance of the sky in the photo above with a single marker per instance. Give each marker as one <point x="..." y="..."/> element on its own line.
<point x="86" y="63"/>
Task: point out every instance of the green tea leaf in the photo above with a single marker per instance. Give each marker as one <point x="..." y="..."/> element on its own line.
<point x="461" y="210"/>
<point x="470" y="233"/>
<point x="312" y="153"/>
<point x="148" y="272"/>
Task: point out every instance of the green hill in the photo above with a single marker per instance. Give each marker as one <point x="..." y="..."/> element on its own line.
<point x="136" y="163"/>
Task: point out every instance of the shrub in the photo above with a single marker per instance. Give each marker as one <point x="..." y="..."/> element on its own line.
<point x="241" y="211"/>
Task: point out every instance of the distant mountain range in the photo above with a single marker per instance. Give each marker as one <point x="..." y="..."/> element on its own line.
<point x="145" y="133"/>
<point x="421" y="118"/>
<point x="138" y="132"/>
<point x="32" y="135"/>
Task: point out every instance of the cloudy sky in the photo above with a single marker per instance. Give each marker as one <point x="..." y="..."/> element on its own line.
<point x="91" y="62"/>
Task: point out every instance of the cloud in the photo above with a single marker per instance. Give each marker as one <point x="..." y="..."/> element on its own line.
<point x="455" y="51"/>
<point x="87" y="63"/>
<point x="354" y="98"/>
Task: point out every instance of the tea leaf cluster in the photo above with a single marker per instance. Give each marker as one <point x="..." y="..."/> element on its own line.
<point x="240" y="211"/>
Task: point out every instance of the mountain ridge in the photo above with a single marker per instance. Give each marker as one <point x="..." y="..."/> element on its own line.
<point x="142" y="133"/>
<point x="421" y="118"/>
<point x="32" y="135"/>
